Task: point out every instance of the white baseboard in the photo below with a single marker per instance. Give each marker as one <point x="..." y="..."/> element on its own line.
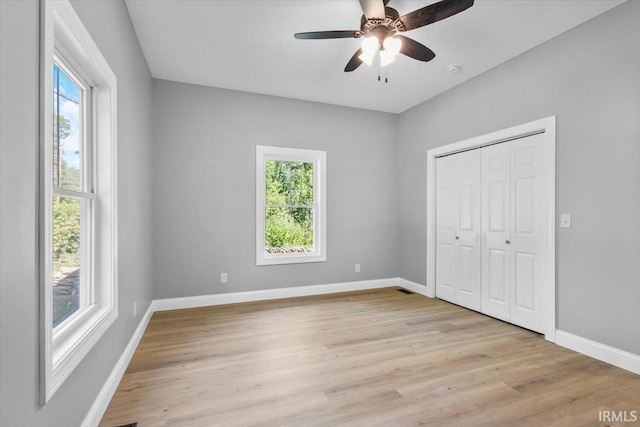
<point x="413" y="287"/>
<point x="101" y="403"/>
<point x="605" y="353"/>
<point x="269" y="294"/>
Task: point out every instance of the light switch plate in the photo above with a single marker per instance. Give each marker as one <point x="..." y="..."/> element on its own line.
<point x="565" y="221"/>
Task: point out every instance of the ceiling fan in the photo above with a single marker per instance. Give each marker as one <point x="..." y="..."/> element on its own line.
<point x="379" y="27"/>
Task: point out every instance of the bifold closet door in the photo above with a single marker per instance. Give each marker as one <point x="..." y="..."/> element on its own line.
<point x="468" y="231"/>
<point x="458" y="229"/>
<point x="529" y="232"/>
<point x="496" y="230"/>
<point x="498" y="192"/>
<point x="446" y="228"/>
<point x="515" y="231"/>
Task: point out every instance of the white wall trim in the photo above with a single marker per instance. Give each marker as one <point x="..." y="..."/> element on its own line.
<point x="65" y="40"/>
<point x="546" y="125"/>
<point x="101" y="403"/>
<point x="603" y="352"/>
<point x="413" y="287"/>
<point x="269" y="294"/>
<point x="319" y="160"/>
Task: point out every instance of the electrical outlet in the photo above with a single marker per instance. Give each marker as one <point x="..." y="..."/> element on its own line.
<point x="357" y="268"/>
<point x="223" y="278"/>
<point x="135" y="309"/>
<point x="565" y="221"/>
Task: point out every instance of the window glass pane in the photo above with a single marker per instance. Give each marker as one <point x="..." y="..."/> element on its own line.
<point x="67" y="159"/>
<point x="288" y="230"/>
<point x="66" y="257"/>
<point x="289" y="183"/>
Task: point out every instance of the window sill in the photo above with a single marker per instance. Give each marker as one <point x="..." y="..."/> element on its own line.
<point x="290" y="259"/>
<point x="72" y="343"/>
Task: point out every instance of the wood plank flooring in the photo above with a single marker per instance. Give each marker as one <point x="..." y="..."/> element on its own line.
<point x="366" y="358"/>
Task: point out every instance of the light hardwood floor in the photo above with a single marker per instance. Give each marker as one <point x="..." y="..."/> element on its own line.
<point x="364" y="358"/>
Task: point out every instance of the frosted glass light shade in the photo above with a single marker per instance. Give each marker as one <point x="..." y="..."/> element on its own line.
<point x="392" y="46"/>
<point x="386" y="58"/>
<point x="367" y="57"/>
<point x="370" y="46"/>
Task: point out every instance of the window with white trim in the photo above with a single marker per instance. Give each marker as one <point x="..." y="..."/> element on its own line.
<point x="78" y="194"/>
<point x="290" y="205"/>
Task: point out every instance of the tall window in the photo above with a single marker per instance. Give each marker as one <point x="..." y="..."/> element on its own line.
<point x="78" y="202"/>
<point x="291" y="207"/>
<point x="72" y="190"/>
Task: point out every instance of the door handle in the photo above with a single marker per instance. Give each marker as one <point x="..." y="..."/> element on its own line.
<point x="508" y="242"/>
<point x="457" y="237"/>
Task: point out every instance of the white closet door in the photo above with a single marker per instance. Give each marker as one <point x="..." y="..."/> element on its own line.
<point x="468" y="229"/>
<point x="530" y="232"/>
<point x="445" y="228"/>
<point x="496" y="208"/>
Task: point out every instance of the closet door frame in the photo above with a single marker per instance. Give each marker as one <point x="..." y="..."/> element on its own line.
<point x="546" y="127"/>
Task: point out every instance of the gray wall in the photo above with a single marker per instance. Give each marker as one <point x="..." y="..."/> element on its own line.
<point x="108" y="23"/>
<point x="204" y="188"/>
<point x="202" y="199"/>
<point x="590" y="78"/>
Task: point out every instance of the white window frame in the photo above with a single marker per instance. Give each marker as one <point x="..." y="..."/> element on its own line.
<point x="319" y="160"/>
<point x="85" y="195"/>
<point x="65" y="41"/>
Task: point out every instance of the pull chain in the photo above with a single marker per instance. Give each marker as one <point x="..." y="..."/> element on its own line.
<point x="386" y="78"/>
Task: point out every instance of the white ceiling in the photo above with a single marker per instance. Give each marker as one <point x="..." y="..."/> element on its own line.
<point x="248" y="45"/>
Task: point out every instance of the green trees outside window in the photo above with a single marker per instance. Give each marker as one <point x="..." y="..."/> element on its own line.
<point x="66" y="210"/>
<point x="289" y="206"/>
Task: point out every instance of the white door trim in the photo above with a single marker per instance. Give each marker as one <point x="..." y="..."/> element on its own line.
<point x="546" y="126"/>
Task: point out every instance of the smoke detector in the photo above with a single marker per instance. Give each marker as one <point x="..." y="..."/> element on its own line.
<point x="454" y="68"/>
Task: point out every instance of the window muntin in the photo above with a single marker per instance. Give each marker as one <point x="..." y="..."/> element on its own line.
<point x="291" y="209"/>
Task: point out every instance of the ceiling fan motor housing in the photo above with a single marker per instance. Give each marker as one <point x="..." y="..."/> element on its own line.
<point x="391" y="22"/>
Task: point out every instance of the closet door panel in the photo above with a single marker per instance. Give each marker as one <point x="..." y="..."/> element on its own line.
<point x="530" y="232"/>
<point x="498" y="280"/>
<point x="495" y="282"/>
<point x="445" y="228"/>
<point x="468" y="229"/>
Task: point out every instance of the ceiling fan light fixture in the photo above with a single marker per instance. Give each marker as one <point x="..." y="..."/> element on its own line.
<point x="370" y="46"/>
<point x="392" y="45"/>
<point x="386" y="57"/>
<point x="367" y="57"/>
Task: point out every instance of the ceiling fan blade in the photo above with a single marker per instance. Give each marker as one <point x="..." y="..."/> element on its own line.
<point x="434" y="13"/>
<point x="354" y="62"/>
<point x="318" y="35"/>
<point x="415" y="50"/>
<point x="373" y="9"/>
